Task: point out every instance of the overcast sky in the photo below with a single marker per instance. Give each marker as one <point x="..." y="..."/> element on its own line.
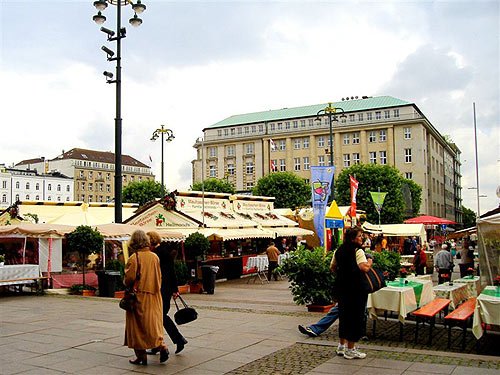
<point x="194" y="63"/>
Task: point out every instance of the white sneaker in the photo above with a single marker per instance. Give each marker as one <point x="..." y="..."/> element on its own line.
<point x="354" y="354"/>
<point x="340" y="350"/>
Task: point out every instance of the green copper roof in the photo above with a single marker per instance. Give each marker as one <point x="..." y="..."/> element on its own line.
<point x="310" y="110"/>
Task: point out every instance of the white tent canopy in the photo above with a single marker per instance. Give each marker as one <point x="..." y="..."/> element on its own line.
<point x="401" y="230"/>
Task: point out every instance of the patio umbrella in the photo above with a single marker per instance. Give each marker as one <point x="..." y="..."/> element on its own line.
<point x="428" y="220"/>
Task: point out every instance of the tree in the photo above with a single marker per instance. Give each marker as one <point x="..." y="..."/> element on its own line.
<point x="142" y="191"/>
<point x="372" y="177"/>
<point x="289" y="190"/>
<point x="85" y="241"/>
<point x="468" y="217"/>
<point x="214" y="185"/>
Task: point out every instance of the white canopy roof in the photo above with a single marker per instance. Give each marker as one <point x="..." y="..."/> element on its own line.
<point x="417" y="230"/>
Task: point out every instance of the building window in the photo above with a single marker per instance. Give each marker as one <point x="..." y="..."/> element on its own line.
<point x="49" y="198"/>
<point x="311" y="122"/>
<point x="355" y="138"/>
<point x="369" y="116"/>
<point x="230" y="169"/>
<point x="296" y="144"/>
<point x="37" y="198"/>
<point x="250" y="185"/>
<point x="302" y="123"/>
<point x="305" y="142"/>
<point x="280" y="126"/>
<point x="409" y="175"/>
<point x="91" y="186"/>
<point x="351" y="118"/>
<point x="27" y="185"/>
<point x="347" y="160"/>
<point x="295" y="124"/>
<point x="27" y="197"/>
<point x="387" y="114"/>
<point x="49" y="187"/>
<point x="355" y="158"/>
<point x="373" y="157"/>
<point x="274" y="165"/>
<point x="321" y="141"/>
<point x="407" y="133"/>
<point x="296" y="164"/>
<point x="407" y="155"/>
<point x="240" y="130"/>
<point x="226" y="132"/>
<point x="82" y="186"/>
<point x="249" y="167"/>
<point x="82" y="174"/>
<point x="58" y="187"/>
<point x="287" y="125"/>
<point x="272" y="127"/>
<point x="282" y="145"/>
<point x="229" y="150"/>
<point x="17" y="197"/>
<point x="249" y="148"/>
<point x="261" y="128"/>
<point x="383" y="157"/>
<point x="212" y="172"/>
<point x="108" y="177"/>
<point x="372" y="137"/>
<point x="247" y="130"/>
<point x="360" y="117"/>
<point x="17" y="186"/>
<point x="91" y="174"/>
<point x="219" y="133"/>
<point x="346" y="139"/>
<point x="108" y="188"/>
<point x="382" y="135"/>
<point x="254" y="129"/>
<point x="396" y="113"/>
<point x="282" y="165"/>
<point x="321" y="160"/>
<point x="212" y="152"/>
<point x="4" y="184"/>
<point x="305" y="160"/>
<point x="4" y="198"/>
<point x="378" y="115"/>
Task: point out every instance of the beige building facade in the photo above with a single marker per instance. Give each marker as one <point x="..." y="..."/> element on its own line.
<point x="380" y="130"/>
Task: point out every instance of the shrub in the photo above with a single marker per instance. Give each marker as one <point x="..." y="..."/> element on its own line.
<point x="181" y="272"/>
<point x="79" y="288"/>
<point x="388" y="262"/>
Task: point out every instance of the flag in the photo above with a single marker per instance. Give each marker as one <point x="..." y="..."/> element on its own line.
<point x="150" y="159"/>
<point x="354" y="192"/>
<point x="321" y="178"/>
<point x="273" y="145"/>
<point x="378" y="199"/>
<point x="274" y="167"/>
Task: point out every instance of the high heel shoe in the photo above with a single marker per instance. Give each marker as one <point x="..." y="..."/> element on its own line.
<point x="164" y="355"/>
<point x="139" y="361"/>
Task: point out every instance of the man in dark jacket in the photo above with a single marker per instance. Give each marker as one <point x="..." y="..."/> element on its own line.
<point x="168" y="288"/>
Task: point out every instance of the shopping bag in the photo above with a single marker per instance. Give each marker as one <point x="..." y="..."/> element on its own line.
<point x="372" y="280"/>
<point x="185" y="314"/>
<point x="128" y="301"/>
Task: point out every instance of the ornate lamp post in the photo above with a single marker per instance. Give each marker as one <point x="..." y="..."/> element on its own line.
<point x="331" y="112"/>
<point x="117" y="36"/>
<point x="168" y="135"/>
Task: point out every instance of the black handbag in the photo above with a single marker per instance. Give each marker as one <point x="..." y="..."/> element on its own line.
<point x="184" y="315"/>
<point x="129" y="300"/>
<point x="372" y="280"/>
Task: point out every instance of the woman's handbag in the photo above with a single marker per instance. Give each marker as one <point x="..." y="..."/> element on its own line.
<point x="184" y="315"/>
<point x="129" y="299"/>
<point x="372" y="280"/>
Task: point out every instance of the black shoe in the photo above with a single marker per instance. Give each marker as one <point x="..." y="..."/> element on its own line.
<point x="153" y="351"/>
<point x="163" y="355"/>
<point x="138" y="361"/>
<point x="307" y="331"/>
<point x="180" y="346"/>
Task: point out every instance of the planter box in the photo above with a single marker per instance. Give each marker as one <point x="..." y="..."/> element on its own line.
<point x="88" y="293"/>
<point x="319" y="308"/>
<point x="120" y="294"/>
<point x="196" y="288"/>
<point x="183" y="289"/>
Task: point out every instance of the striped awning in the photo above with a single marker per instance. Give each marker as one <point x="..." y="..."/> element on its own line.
<point x="291" y="231"/>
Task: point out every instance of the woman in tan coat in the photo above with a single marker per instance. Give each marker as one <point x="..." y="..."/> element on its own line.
<point x="144" y="325"/>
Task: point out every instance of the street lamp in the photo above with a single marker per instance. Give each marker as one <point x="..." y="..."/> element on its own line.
<point x="117" y="36"/>
<point x="168" y="135"/>
<point x="331" y="112"/>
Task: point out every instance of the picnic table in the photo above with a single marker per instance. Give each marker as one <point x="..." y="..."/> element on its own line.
<point x="456" y="293"/>
<point x="473" y="284"/>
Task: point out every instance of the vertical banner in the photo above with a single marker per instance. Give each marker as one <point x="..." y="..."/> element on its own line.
<point x="321" y="182"/>
<point x="354" y="192"/>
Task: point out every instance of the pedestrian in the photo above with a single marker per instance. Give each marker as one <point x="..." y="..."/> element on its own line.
<point x="466" y="260"/>
<point x="443" y="262"/>
<point x="419" y="261"/>
<point x="143" y="325"/>
<point x="169" y="288"/>
<point x="349" y="261"/>
<point x="322" y="325"/>
<point x="272" y="255"/>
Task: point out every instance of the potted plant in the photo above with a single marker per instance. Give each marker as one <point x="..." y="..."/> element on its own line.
<point x="182" y="275"/>
<point x="82" y="289"/>
<point x="196" y="247"/>
<point x="389" y="262"/>
<point x="85" y="241"/>
<point x="310" y="277"/>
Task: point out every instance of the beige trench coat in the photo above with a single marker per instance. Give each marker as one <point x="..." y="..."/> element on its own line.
<point x="144" y="326"/>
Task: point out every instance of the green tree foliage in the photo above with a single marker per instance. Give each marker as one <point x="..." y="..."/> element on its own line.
<point x="371" y="177"/>
<point x="389" y="262"/>
<point x="416" y="195"/>
<point x="289" y="190"/>
<point x="196" y="245"/>
<point x="214" y="185"/>
<point x="468" y="217"/>
<point x="85" y="241"/>
<point x="142" y="191"/>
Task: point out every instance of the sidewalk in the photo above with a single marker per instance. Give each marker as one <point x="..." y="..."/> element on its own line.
<point x="241" y="329"/>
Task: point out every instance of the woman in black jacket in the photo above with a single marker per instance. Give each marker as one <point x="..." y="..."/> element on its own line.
<point x="349" y="261"/>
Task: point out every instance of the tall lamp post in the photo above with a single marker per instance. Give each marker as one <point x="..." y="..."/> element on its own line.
<point x="331" y="112"/>
<point x="168" y="136"/>
<point x="117" y="36"/>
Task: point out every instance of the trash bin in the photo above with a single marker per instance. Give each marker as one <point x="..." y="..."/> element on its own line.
<point x="208" y="274"/>
<point x="107" y="282"/>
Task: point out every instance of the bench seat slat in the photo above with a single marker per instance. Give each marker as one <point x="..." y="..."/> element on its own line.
<point x="463" y="311"/>
<point x="432" y="308"/>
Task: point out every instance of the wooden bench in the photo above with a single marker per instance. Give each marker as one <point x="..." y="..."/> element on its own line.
<point x="429" y="312"/>
<point x="460" y="315"/>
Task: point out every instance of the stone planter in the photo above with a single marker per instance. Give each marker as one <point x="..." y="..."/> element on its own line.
<point x="319" y="308"/>
<point x="88" y="293"/>
<point x="183" y="289"/>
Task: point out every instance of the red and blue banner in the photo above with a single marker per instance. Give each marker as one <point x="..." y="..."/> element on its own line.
<point x="321" y="186"/>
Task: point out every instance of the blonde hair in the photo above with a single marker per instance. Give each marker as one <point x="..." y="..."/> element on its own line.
<point x="154" y="238"/>
<point x="138" y="240"/>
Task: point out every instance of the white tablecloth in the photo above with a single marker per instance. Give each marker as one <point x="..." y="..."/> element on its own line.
<point x="456" y="293"/>
<point x="401" y="299"/>
<point x="261" y="261"/>
<point x="474" y="285"/>
<point x="487" y="311"/>
<point x="19" y="271"/>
